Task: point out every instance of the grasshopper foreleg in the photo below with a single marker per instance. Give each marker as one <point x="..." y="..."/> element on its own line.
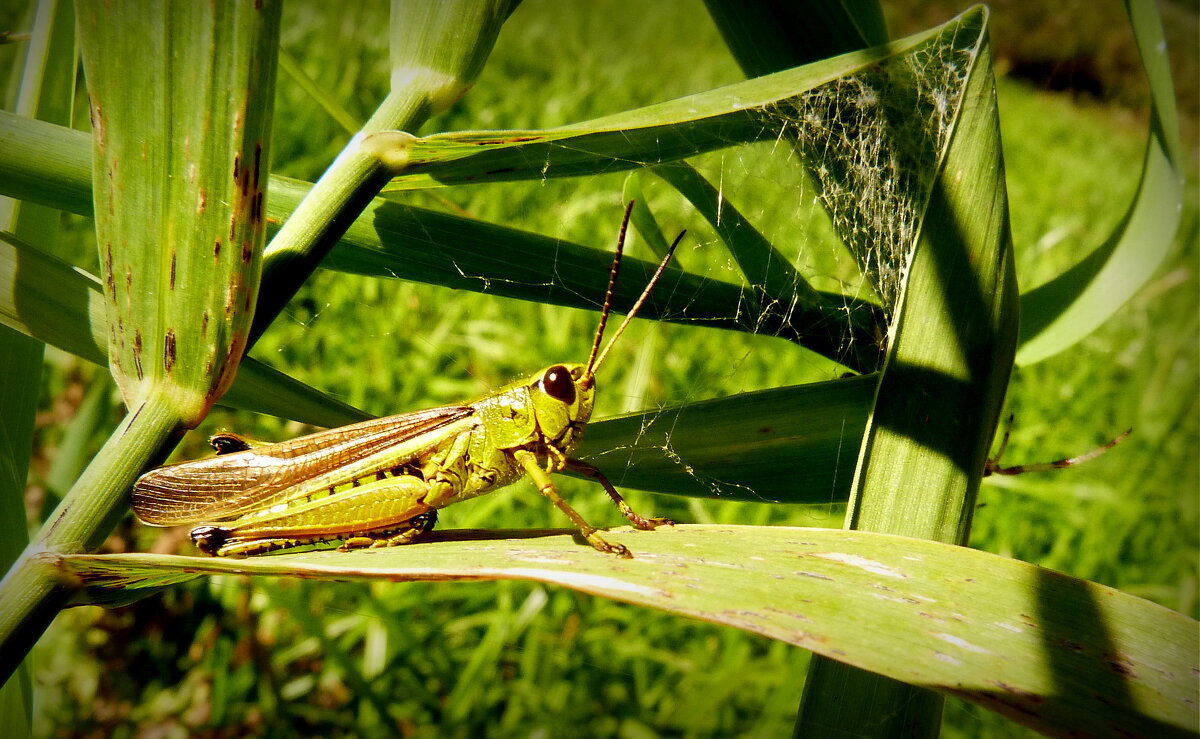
<point x="639" y="522"/>
<point x="546" y="487"/>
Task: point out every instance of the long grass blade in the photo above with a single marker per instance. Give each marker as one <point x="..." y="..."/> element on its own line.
<point x="44" y="91"/>
<point x="1061" y="312"/>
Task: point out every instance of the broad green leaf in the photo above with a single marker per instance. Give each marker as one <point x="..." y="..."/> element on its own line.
<point x="179" y="218"/>
<point x="753" y="110"/>
<point x="954" y="333"/>
<point x="1050" y="651"/>
<point x="1059" y="313"/>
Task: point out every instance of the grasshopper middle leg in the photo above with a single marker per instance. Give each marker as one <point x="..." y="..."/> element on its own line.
<point x="546" y="487"/>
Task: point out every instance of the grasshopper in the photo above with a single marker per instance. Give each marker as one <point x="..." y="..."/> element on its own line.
<point x="382" y="482"/>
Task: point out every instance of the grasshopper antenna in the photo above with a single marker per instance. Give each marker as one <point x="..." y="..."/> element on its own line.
<point x="595" y="361"/>
<point x="612" y="286"/>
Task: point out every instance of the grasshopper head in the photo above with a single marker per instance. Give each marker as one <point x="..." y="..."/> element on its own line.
<point x="562" y="397"/>
<point x="572" y="386"/>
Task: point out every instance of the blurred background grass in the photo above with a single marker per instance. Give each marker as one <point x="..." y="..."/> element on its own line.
<point x="225" y="658"/>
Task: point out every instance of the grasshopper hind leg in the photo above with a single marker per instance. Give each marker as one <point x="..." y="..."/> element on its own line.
<point x="411" y="530"/>
<point x="220" y="541"/>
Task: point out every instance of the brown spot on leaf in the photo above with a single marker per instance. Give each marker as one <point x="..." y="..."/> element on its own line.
<point x="1119" y="664"/>
<point x="813" y="575"/>
<point x="108" y="269"/>
<point x="1068" y="644"/>
<point x="137" y="353"/>
<point x="237" y="166"/>
<point x="169" y="351"/>
<point x="202" y="201"/>
<point x="508" y="140"/>
<point x="96" y="115"/>
<point x="217" y="249"/>
<point x="204" y="324"/>
<point x="172" y="279"/>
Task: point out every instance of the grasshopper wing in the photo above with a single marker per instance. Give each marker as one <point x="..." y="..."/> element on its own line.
<point x="233" y="484"/>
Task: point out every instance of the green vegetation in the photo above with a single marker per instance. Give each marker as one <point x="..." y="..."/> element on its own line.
<point x="512" y="658"/>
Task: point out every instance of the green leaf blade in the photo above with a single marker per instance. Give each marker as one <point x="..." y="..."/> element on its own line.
<point x="996" y="631"/>
<point x="1059" y="313"/>
<point x="180" y="218"/>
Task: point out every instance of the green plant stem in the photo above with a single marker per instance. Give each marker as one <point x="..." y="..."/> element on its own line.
<point x="33" y="589"/>
<point x="334" y="202"/>
<point x="437" y="51"/>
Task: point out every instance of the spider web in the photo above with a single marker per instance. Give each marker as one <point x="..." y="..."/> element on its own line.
<point x="863" y="151"/>
<point x="873" y="141"/>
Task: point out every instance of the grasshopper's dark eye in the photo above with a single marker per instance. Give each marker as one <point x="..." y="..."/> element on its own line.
<point x="557" y="383"/>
